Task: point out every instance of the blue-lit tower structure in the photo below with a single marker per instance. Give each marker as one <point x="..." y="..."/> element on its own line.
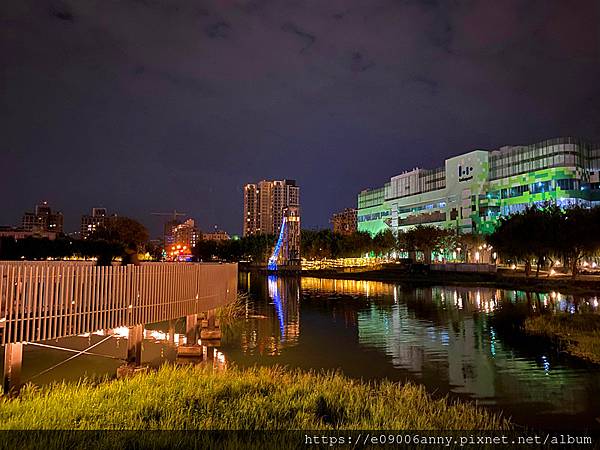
<point x="286" y="254"/>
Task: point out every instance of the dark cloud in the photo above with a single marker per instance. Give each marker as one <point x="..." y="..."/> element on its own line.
<point x="428" y="84"/>
<point x="308" y="38"/>
<point x="360" y="63"/>
<point x="218" y="30"/>
<point x="153" y="105"/>
<point x="62" y="12"/>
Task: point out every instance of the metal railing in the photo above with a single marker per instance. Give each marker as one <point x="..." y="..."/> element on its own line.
<point x="50" y="300"/>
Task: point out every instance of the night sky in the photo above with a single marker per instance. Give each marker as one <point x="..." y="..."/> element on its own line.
<point x="151" y="105"/>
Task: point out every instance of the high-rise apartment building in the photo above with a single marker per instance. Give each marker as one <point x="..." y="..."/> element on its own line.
<point x="181" y="233"/>
<point x="43" y="219"/>
<point x="264" y="203"/>
<point x="344" y="222"/>
<point x="91" y="222"/>
<point x="472" y="191"/>
<point x="251" y="213"/>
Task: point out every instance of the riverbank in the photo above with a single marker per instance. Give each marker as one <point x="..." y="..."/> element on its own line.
<point x="576" y="334"/>
<point x="196" y="398"/>
<point x="503" y="279"/>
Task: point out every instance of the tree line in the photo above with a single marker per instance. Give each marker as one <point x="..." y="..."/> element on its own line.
<point x="539" y="235"/>
<point x="254" y="248"/>
<point x="121" y="237"/>
<point x="544" y="235"/>
<point x="319" y="244"/>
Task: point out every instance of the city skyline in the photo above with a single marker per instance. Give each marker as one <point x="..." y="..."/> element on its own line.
<point x="360" y="198"/>
<point x="337" y="96"/>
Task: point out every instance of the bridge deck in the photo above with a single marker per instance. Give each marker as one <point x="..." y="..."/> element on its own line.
<point x="41" y="301"/>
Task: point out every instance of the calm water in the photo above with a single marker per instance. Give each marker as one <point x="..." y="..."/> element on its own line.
<point x="441" y="337"/>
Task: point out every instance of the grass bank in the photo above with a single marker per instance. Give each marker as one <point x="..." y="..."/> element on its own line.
<point x="578" y="334"/>
<point x="254" y="399"/>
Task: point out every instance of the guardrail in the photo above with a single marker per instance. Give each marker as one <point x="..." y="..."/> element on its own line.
<point x="53" y="299"/>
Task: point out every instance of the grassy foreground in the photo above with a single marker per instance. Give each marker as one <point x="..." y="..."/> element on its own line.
<point x="579" y="333"/>
<point x="259" y="398"/>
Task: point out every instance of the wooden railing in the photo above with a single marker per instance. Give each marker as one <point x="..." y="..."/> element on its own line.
<point x="49" y="300"/>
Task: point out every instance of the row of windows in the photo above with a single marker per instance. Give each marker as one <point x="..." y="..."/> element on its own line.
<point x="511" y="161"/>
<point x="374" y="216"/>
<point x="569" y="184"/>
<point x="489" y="211"/>
<point x="421" y="207"/>
<point x="433" y="217"/>
<point x="432" y="180"/>
<point x="563" y="203"/>
<point x="372" y="197"/>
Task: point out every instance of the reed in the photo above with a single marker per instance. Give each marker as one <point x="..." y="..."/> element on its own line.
<point x="229" y="313"/>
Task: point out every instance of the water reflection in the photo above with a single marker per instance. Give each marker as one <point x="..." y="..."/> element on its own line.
<point x="99" y="354"/>
<point x="348" y="287"/>
<point x="272" y="325"/>
<point x="442" y="337"/>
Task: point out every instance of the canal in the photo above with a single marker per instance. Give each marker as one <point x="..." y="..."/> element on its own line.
<point x="446" y="338"/>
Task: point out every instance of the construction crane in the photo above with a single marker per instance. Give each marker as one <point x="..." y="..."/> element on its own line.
<point x="173" y="214"/>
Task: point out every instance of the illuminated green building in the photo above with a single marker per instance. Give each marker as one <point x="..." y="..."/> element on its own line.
<point x="473" y="190"/>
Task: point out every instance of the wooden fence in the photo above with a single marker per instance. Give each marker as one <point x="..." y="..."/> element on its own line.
<point x="49" y="300"/>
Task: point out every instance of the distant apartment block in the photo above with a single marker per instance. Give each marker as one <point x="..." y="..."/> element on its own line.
<point x="217" y="235"/>
<point x="91" y="222"/>
<point x="43" y="219"/>
<point x="183" y="233"/>
<point x="20" y="233"/>
<point x="264" y="204"/>
<point x="345" y="222"/>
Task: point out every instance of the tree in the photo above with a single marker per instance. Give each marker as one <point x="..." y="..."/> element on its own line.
<point x="316" y="244"/>
<point x="424" y="238"/>
<point x="512" y="239"/>
<point x="549" y="223"/>
<point x="155" y="250"/>
<point x="205" y="250"/>
<point x="547" y="233"/>
<point x="356" y="244"/>
<point x="123" y="236"/>
<point x="580" y="235"/>
<point x="468" y="243"/>
<point x="384" y="242"/>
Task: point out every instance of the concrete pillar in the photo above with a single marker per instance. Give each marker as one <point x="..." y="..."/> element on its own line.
<point x="211" y="329"/>
<point x="13" y="359"/>
<point x="134" y="345"/>
<point x="171" y="332"/>
<point x="191" y="329"/>
<point x="191" y="349"/>
<point x="210" y="354"/>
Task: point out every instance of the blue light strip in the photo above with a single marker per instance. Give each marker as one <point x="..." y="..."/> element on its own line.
<point x="273" y="259"/>
<point x="275" y="295"/>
